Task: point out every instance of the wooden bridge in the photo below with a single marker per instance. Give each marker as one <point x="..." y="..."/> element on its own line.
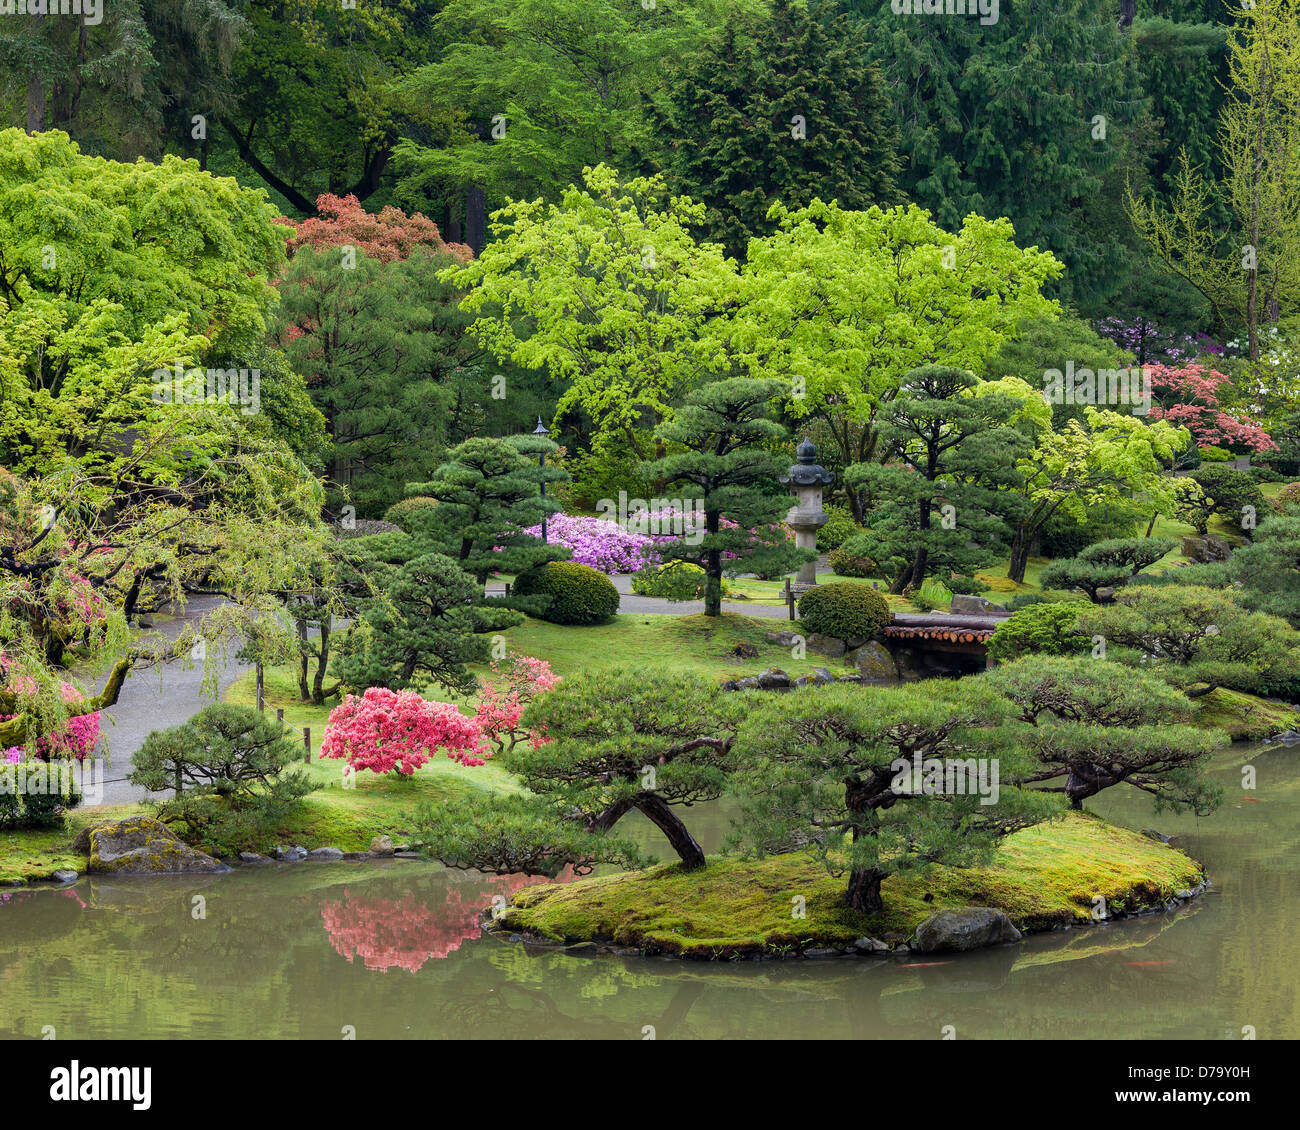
<point x="940" y="641"/>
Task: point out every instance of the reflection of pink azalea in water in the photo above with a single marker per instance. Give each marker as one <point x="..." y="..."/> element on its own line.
<point x="405" y="933"/>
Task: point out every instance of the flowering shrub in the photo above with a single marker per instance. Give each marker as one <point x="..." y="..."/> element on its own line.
<point x="1189" y="397"/>
<point x="76" y="739"/>
<point x="1150" y="341"/>
<point x="386" y="731"/>
<point x="597" y="542"/>
<point x="604" y="544"/>
<point x="500" y="706"/>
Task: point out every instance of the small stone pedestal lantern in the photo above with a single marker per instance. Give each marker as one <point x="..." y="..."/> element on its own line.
<point x="806" y="480"/>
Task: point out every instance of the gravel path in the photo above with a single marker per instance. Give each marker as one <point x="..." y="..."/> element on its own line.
<point x="149" y="702"/>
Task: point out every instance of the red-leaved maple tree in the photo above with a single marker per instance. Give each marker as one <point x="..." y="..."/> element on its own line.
<point x="1188" y="396"/>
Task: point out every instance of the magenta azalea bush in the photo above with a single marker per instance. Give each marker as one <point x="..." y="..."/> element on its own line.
<point x="387" y="731"/>
<point x="77" y="739"/>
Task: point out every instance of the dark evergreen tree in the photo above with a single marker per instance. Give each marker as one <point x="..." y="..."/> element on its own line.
<point x="717" y="447"/>
<point x="784" y="108"/>
<point x="936" y="504"/>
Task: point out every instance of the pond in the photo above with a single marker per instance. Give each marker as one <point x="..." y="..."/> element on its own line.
<point x="392" y="951"/>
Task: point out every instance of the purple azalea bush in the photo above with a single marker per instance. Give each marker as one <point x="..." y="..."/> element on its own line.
<point x="1150" y="342"/>
<point x="606" y="545"/>
<point x="597" y="542"/>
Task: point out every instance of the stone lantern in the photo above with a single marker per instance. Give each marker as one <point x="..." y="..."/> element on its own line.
<point x="806" y="480"/>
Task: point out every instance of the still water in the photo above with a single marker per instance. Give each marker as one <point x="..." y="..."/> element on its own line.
<point x="392" y="951"/>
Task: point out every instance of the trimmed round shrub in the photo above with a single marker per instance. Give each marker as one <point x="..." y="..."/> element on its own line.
<point x="838" y="529"/>
<point x="1215" y="455"/>
<point x="845" y="564"/>
<point x="579" y="594"/>
<point x="674" y="580"/>
<point x="399" y="512"/>
<point x="843" y="611"/>
<point x="1288" y="498"/>
<point x="1045" y="628"/>
<point x="1231" y="490"/>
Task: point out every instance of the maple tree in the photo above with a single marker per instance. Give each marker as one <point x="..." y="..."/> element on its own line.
<point x="1188" y="396"/>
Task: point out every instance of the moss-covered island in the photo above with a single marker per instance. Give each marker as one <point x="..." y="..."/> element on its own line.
<point x="1044" y="878"/>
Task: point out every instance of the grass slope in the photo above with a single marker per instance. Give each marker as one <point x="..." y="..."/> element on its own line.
<point x="1042" y="877"/>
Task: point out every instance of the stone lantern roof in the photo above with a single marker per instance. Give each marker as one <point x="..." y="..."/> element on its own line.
<point x="807" y="472"/>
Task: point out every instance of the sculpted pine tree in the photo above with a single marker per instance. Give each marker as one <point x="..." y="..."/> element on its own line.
<point x="489" y="493"/>
<point x="721" y="450"/>
<point x="831" y="769"/>
<point x="939" y="504"/>
<point x="1095" y="724"/>
<point x="607" y="744"/>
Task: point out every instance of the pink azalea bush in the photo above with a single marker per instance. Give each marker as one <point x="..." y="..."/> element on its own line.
<point x="75" y="739"/>
<point x="520" y="679"/>
<point x="387" y="731"/>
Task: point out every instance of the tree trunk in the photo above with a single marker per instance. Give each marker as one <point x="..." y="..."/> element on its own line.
<point x="1019" y="554"/>
<point x="663" y="818"/>
<point x="35" y="102"/>
<point x="475" y="218"/>
<point x="304" y="692"/>
<point x="713" y="570"/>
<point x="864" y="891"/>
<point x="322" y="661"/>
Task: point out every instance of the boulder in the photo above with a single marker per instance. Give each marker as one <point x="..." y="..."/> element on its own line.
<point x="1208" y="547"/>
<point x="784" y="639"/>
<point x="381" y="845"/>
<point x="976" y="605"/>
<point x="873" y="661"/>
<point x="870" y="945"/>
<point x="826" y="645"/>
<point x="291" y="855"/>
<point x="63" y="875"/>
<point x="773" y="679"/>
<point x="144" y="846"/>
<point x="1152" y="834"/>
<point x="254" y="858"/>
<point x="818" y="676"/>
<point x="325" y="854"/>
<point x="959" y="930"/>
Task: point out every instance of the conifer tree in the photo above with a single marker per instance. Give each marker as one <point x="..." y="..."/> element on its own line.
<point x="720" y="446"/>
<point x="786" y="108"/>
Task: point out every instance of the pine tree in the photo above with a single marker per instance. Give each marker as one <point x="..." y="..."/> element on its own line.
<point x="941" y="502"/>
<point x="784" y="108"/>
<point x="717" y="447"/>
<point x="488" y="494"/>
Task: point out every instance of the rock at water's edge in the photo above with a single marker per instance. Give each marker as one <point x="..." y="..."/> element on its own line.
<point x="961" y="930"/>
<point x="144" y="846"/>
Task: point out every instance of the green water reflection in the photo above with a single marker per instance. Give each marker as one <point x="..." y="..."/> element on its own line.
<point x="392" y="950"/>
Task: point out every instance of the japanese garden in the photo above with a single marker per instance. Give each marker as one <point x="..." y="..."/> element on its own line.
<point x="747" y="519"/>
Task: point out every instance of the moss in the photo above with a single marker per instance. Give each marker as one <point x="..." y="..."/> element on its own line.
<point x="1042" y="877"/>
<point x="1245" y="717"/>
